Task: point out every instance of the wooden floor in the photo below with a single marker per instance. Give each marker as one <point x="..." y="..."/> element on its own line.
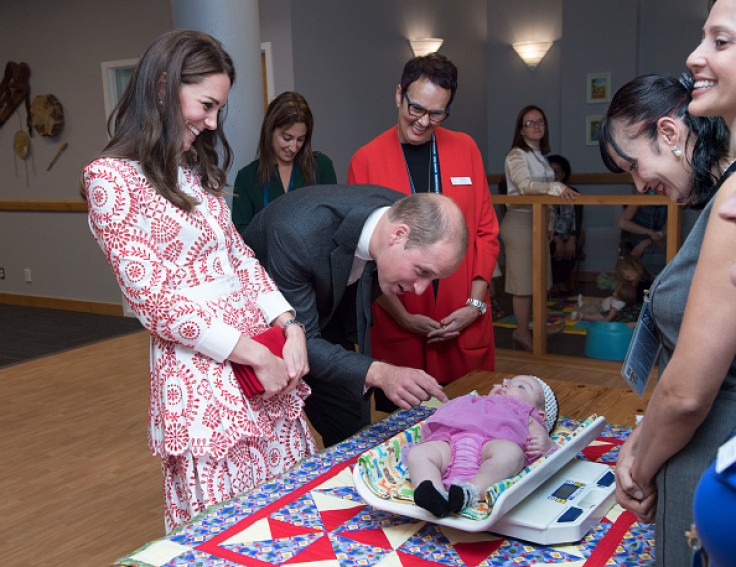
<point x="78" y="484"/>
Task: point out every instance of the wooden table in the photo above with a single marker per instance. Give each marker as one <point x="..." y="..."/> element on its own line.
<point x="617" y="405"/>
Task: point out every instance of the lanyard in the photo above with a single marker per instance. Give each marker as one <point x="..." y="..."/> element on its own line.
<point x="288" y="189"/>
<point x="435" y="167"/>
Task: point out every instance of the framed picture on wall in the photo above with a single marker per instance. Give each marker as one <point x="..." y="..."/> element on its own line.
<point x="599" y="87"/>
<point x="592" y="130"/>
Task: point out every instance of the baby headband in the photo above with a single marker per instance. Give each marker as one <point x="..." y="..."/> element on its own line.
<point x="551" y="407"/>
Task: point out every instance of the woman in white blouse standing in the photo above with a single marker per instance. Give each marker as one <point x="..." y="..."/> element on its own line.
<point x="527" y="173"/>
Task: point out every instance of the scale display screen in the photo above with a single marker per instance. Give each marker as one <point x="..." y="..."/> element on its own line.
<point x="565" y="491"/>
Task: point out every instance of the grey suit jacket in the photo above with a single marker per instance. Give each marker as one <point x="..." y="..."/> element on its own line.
<point x="306" y="240"/>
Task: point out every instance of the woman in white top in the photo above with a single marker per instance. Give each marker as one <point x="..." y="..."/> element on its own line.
<point x="527" y="173"/>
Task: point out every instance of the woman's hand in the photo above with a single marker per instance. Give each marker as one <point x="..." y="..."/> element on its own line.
<point x="641" y="500"/>
<point x="294" y="352"/>
<point x="452" y="325"/>
<point x="657" y="239"/>
<point x="568" y="195"/>
<point x="295" y="355"/>
<point x="273" y="376"/>
<point x="638" y="250"/>
<point x="270" y="370"/>
<point x="559" y="243"/>
<point x="418" y="324"/>
<point x="568" y="250"/>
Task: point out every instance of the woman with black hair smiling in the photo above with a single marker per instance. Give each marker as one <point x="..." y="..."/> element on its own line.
<point x="651" y="131"/>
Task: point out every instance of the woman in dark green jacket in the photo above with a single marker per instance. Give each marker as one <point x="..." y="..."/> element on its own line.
<point x="285" y="160"/>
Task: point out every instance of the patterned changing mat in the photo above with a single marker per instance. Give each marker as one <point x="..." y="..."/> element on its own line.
<point x="385" y="472"/>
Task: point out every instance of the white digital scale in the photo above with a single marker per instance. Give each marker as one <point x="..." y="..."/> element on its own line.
<point x="564" y="508"/>
<point x="556" y="502"/>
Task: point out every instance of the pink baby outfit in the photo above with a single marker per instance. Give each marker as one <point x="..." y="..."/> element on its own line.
<point x="467" y="423"/>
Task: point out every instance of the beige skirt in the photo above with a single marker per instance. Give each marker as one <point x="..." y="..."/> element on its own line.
<point x="516" y="235"/>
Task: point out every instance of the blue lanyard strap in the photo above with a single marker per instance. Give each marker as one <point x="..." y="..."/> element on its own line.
<point x="435" y="163"/>
<point x="288" y="189"/>
<point x="436" y="167"/>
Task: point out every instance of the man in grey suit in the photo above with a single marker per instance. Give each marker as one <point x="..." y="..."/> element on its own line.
<point x="324" y="247"/>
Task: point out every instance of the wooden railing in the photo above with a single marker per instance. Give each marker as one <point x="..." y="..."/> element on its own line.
<point x="539" y="220"/>
<point x="78" y="206"/>
<point x="540" y="246"/>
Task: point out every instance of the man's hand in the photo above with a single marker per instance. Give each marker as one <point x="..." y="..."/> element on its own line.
<point x="406" y="387"/>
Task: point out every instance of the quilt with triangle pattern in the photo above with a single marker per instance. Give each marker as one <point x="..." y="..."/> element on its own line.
<point x="311" y="516"/>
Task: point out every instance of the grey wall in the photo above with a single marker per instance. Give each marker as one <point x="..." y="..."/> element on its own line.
<point x="624" y="38"/>
<point x="64" y="44"/>
<point x="346" y="57"/>
<point x="275" y="16"/>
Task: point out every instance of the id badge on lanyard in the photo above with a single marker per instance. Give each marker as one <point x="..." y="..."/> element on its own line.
<point x="643" y="351"/>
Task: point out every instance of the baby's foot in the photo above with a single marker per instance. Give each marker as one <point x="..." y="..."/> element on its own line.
<point x="429" y="498"/>
<point x="462" y="496"/>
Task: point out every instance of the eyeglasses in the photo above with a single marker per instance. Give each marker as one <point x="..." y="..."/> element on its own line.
<point x="530" y="123"/>
<point x="417" y="111"/>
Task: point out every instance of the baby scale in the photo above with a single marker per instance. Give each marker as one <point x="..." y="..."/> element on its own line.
<point x="557" y="502"/>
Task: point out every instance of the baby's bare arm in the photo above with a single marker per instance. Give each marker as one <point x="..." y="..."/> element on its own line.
<point x="539" y="440"/>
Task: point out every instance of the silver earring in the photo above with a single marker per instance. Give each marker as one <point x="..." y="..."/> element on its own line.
<point x="160" y="102"/>
<point x="677" y="151"/>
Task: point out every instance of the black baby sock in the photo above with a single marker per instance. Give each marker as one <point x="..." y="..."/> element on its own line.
<point x="429" y="498"/>
<point x="461" y="496"/>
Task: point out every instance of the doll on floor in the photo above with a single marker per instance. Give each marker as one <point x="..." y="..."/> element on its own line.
<point x="472" y="442"/>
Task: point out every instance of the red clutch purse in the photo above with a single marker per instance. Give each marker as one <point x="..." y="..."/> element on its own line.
<point x="273" y="339"/>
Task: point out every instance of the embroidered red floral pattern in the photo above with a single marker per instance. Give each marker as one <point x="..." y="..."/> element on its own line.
<point x="195" y="286"/>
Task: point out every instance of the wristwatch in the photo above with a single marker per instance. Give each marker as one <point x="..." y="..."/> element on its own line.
<point x="477" y="303"/>
<point x="291" y="322"/>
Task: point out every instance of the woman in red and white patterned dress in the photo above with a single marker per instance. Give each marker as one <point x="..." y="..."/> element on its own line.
<point x="156" y="209"/>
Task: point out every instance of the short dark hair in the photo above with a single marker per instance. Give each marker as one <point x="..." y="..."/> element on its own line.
<point x="518" y="140"/>
<point x="563" y="163"/>
<point x="286" y="109"/>
<point x="642" y="102"/>
<point x="437" y="68"/>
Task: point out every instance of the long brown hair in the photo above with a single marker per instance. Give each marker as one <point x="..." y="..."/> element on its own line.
<point x="286" y="109"/>
<point x="518" y="140"/>
<point x="151" y="132"/>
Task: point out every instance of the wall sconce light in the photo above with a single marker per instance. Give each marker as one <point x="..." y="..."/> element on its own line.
<point x="425" y="45"/>
<point x="532" y="52"/>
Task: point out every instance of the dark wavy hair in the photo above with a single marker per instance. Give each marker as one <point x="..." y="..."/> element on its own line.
<point x="437" y="68"/>
<point x="286" y="109"/>
<point x="518" y="139"/>
<point x="646" y="99"/>
<point x="151" y="133"/>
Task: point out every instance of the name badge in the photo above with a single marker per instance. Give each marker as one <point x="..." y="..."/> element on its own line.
<point x="643" y="351"/>
<point x="461" y="181"/>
